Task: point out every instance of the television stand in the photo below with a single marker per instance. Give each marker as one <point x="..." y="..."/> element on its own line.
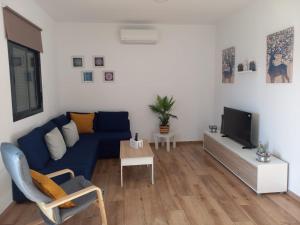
<point x="263" y="178"/>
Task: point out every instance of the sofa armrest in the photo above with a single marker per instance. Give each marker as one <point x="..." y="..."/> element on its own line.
<point x="61" y="172"/>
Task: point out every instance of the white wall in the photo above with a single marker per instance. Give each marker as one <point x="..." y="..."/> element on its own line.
<point x="181" y="65"/>
<point x="10" y="131"/>
<point x="278" y="105"/>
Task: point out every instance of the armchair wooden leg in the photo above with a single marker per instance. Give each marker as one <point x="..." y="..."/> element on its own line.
<point x="101" y="207"/>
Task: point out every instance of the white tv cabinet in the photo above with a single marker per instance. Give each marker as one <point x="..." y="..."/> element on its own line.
<point x="263" y="178"/>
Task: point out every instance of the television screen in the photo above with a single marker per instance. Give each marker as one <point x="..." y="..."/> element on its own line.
<point x="237" y="126"/>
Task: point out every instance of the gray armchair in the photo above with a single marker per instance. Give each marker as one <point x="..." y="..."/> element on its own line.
<point x="82" y="192"/>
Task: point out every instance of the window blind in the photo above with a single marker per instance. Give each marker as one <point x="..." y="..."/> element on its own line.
<point x="20" y="30"/>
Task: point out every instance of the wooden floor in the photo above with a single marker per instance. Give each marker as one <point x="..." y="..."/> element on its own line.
<point x="190" y="188"/>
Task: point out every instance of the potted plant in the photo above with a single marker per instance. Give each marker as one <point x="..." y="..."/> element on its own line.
<point x="163" y="107"/>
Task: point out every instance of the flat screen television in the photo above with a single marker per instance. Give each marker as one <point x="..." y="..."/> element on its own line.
<point x="236" y="125"/>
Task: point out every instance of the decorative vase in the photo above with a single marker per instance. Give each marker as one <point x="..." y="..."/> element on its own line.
<point x="263" y="156"/>
<point x="164" y="129"/>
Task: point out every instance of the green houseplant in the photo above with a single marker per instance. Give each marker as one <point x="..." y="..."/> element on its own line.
<point x="163" y="107"/>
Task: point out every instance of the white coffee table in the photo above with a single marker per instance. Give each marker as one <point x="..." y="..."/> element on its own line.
<point x="134" y="157"/>
<point x="164" y="137"/>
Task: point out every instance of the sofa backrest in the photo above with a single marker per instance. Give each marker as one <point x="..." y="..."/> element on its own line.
<point x="60" y="121"/>
<point x="34" y="146"/>
<point x="112" y="121"/>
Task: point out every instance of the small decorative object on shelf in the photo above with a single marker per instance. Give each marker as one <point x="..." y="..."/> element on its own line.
<point x="252" y="66"/>
<point x="262" y="154"/>
<point x="136" y="143"/>
<point x="240" y="67"/>
<point x="213" y="128"/>
<point x="246" y="65"/>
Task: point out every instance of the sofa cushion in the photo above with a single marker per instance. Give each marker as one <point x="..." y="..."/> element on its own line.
<point x="84" y="122"/>
<point x="60" y="121"/>
<point x="110" y="136"/>
<point x="56" y="144"/>
<point x="81" y="158"/>
<point x="68" y="115"/>
<point x="34" y="146"/>
<point x="112" y="121"/>
<point x="70" y="133"/>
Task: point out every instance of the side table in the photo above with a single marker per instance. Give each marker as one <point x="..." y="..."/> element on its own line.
<point x="158" y="137"/>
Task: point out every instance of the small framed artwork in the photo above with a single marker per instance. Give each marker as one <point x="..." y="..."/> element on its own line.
<point x="77" y="61"/>
<point x="87" y="77"/>
<point x="109" y="76"/>
<point x="98" y="61"/>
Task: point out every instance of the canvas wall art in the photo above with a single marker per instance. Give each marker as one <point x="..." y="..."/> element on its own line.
<point x="228" y="65"/>
<point x="280" y="49"/>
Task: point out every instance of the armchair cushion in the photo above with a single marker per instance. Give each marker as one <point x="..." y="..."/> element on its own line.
<point x="50" y="188"/>
<point x="72" y="186"/>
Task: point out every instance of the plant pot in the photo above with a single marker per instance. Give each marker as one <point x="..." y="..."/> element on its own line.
<point x="164" y="129"/>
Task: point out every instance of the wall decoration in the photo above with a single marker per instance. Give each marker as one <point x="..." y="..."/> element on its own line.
<point x="228" y="64"/>
<point x="77" y="61"/>
<point x="87" y="76"/>
<point x="280" y="50"/>
<point x="98" y="61"/>
<point x="240" y="67"/>
<point x="109" y="76"/>
<point x="252" y="66"/>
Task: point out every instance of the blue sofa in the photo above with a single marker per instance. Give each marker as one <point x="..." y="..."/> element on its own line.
<point x="110" y="128"/>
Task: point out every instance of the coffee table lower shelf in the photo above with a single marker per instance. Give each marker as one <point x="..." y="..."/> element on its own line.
<point x="137" y="162"/>
<point x="134" y="157"/>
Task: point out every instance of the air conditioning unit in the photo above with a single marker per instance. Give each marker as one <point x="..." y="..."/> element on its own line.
<point x="139" y="36"/>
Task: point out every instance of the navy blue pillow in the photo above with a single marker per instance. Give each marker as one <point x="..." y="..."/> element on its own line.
<point x="60" y="121"/>
<point x="112" y="121"/>
<point x="34" y="147"/>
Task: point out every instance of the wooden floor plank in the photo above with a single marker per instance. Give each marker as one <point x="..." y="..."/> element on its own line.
<point x="191" y="188"/>
<point x="177" y="217"/>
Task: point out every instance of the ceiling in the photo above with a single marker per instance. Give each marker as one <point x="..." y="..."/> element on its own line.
<point x="142" y="11"/>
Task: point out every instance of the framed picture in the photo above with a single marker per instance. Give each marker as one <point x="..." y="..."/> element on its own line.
<point x="109" y="76"/>
<point x="280" y="56"/>
<point x="87" y="76"/>
<point x="98" y="61"/>
<point x="228" y="65"/>
<point x="77" y="61"/>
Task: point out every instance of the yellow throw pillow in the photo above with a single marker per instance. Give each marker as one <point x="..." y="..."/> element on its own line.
<point x="50" y="188"/>
<point x="84" y="122"/>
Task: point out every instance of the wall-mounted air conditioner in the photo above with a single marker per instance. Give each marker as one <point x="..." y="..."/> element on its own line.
<point x="139" y="36"/>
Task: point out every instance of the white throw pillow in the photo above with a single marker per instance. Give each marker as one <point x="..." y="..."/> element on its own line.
<point x="70" y="133"/>
<point x="56" y="144"/>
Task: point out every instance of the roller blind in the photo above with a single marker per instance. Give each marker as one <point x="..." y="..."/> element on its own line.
<point x="20" y="30"/>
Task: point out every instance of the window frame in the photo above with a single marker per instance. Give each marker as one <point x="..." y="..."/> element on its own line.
<point x="38" y="82"/>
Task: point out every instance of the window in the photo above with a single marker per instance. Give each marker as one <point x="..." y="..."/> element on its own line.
<point x="25" y="76"/>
